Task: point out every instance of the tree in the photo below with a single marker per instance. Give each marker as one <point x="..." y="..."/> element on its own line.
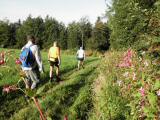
<point x="62" y="36"/>
<point x="74" y="36"/>
<point x="51" y="31"/>
<point x="128" y="20"/>
<point x="4" y="33"/>
<point x="85" y="29"/>
<point x="32" y="26"/>
<point x="12" y="33"/>
<point x="100" y="36"/>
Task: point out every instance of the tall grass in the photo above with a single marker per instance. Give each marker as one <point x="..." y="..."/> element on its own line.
<point x="127" y="93"/>
<point x="71" y="97"/>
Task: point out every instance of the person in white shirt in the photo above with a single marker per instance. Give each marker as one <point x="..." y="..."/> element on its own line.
<point x="80" y="57"/>
<point x="33" y="72"/>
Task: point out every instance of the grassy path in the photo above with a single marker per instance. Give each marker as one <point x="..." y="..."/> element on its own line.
<point x="71" y="97"/>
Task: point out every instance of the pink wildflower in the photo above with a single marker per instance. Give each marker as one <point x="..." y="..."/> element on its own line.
<point x="65" y="117"/>
<point x="18" y="62"/>
<point x="127" y="60"/>
<point x="9" y="89"/>
<point x="2" y="62"/>
<point x="129" y="53"/>
<point x="142" y="91"/>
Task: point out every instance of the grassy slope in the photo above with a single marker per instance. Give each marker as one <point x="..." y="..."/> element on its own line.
<point x="115" y="101"/>
<point x="92" y="93"/>
<point x="108" y="102"/>
<point x="71" y="97"/>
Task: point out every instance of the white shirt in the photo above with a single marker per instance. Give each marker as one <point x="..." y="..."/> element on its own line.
<point x="81" y="53"/>
<point x="36" y="53"/>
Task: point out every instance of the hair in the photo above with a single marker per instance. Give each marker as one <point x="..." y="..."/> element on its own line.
<point x="31" y="38"/>
<point x="55" y="43"/>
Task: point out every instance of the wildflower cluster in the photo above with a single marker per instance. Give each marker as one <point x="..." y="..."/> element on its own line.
<point x="8" y="89"/>
<point x="127" y="59"/>
<point x="139" y="85"/>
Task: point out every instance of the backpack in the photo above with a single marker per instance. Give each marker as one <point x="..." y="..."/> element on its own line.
<point x="27" y="58"/>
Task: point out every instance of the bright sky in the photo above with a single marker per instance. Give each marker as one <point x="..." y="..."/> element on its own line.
<point x="62" y="10"/>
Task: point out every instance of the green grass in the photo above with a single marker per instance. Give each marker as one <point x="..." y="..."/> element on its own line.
<point x="92" y="93"/>
<point x="71" y="97"/>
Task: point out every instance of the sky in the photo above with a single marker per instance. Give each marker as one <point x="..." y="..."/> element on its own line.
<point x="64" y="11"/>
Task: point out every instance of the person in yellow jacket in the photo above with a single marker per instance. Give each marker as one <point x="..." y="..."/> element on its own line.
<point x="54" y="59"/>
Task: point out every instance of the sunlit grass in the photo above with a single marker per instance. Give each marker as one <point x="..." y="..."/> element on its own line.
<point x="71" y="97"/>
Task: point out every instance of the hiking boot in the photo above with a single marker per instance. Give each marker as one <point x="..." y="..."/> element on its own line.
<point x="51" y="79"/>
<point x="58" y="78"/>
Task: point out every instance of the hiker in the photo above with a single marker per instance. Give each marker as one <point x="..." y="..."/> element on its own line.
<point x="80" y="57"/>
<point x="31" y="62"/>
<point x="54" y="60"/>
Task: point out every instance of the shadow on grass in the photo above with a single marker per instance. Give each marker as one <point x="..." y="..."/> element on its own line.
<point x="13" y="102"/>
<point x="45" y="78"/>
<point x="70" y="93"/>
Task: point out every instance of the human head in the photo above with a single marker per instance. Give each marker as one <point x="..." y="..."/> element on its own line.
<point x="81" y="48"/>
<point x="55" y="44"/>
<point x="31" y="38"/>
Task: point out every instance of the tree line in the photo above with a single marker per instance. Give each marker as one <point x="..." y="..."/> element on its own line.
<point x="131" y="23"/>
<point x="74" y="35"/>
<point x="134" y="23"/>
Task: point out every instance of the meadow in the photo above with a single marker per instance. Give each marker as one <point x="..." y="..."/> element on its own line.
<point x="70" y="97"/>
<point x="121" y="85"/>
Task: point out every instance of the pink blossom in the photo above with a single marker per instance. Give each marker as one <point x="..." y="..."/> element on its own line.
<point x="129" y="53"/>
<point x="9" y="89"/>
<point x="65" y="117"/>
<point x="127" y="60"/>
<point x="2" y="62"/>
<point x="18" y="61"/>
<point x="142" y="91"/>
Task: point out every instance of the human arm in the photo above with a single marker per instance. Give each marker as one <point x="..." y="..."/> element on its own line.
<point x="84" y="55"/>
<point x="38" y="59"/>
<point x="59" y="56"/>
<point x="49" y="55"/>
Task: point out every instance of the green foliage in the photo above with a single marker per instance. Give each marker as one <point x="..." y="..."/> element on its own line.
<point x="4" y="33"/>
<point x="48" y="30"/>
<point x="131" y="21"/>
<point x="100" y="36"/>
<point x="127" y="93"/>
<point x="74" y="36"/>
